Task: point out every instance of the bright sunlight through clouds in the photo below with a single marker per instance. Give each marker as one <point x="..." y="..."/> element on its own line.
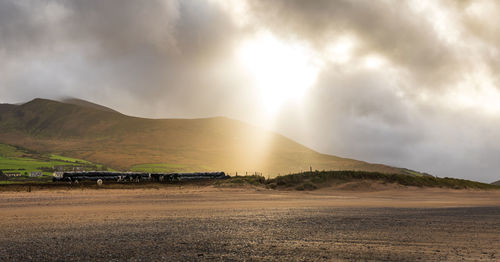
<point x="281" y="71"/>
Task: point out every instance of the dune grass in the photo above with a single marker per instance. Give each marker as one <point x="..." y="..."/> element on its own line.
<point x="318" y="179"/>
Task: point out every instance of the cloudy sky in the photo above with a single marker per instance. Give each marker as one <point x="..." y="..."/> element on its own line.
<point x="405" y="83"/>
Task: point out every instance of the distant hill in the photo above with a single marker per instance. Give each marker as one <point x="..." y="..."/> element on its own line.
<point x="84" y="130"/>
<point x="496" y="183"/>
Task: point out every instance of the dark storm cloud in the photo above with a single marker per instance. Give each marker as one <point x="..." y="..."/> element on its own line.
<point x="133" y="51"/>
<point x="158" y="52"/>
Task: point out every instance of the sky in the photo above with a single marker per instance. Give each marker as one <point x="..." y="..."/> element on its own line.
<point x="407" y="83"/>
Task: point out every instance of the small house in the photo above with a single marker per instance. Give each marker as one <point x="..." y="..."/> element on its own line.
<point x="58" y="174"/>
<point x="36" y="174"/>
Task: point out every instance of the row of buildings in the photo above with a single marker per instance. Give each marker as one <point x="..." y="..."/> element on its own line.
<point x="61" y="168"/>
<point x="18" y="174"/>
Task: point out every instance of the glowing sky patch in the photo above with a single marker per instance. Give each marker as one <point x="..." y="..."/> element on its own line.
<point x="281" y="71"/>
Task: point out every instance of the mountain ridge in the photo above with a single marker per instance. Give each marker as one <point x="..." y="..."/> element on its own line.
<point x="103" y="135"/>
<point x="84" y="103"/>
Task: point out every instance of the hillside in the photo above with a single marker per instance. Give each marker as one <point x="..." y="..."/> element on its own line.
<point x="87" y="131"/>
<point x="497" y="183"/>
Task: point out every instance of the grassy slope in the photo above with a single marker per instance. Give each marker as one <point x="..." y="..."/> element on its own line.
<point x="315" y="180"/>
<point x="125" y="142"/>
<point x="496" y="183"/>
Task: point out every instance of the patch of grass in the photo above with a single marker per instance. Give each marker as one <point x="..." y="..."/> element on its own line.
<point x="254" y="180"/>
<point x="413" y="172"/>
<point x="310" y="180"/>
<point x="79" y="162"/>
<point x="9" y="151"/>
<point x="69" y="159"/>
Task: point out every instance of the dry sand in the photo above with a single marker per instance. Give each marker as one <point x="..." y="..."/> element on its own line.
<point x="206" y="223"/>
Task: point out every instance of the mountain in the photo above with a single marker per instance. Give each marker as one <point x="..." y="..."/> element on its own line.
<point x="83" y="103"/>
<point x="496" y="183"/>
<point x="84" y="130"/>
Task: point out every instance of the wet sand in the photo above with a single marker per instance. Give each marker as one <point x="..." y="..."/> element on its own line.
<point x="234" y="224"/>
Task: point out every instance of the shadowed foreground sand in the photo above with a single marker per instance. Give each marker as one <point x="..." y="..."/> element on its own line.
<point x="206" y="223"/>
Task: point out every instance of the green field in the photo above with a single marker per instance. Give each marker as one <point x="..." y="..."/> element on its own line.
<point x="19" y="160"/>
<point x="69" y="159"/>
<point x="25" y="165"/>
